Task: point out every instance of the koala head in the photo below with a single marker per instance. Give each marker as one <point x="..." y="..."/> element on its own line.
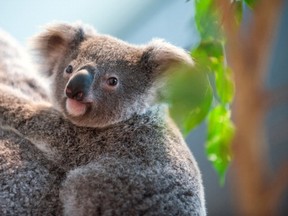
<point x="98" y="80"/>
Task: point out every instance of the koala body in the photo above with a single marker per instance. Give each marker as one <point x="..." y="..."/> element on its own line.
<point x="17" y="70"/>
<point x="29" y="182"/>
<point x="122" y="153"/>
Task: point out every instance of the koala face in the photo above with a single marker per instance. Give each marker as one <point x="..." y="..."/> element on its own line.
<point x="98" y="80"/>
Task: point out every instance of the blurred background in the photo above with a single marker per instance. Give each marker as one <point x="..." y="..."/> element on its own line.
<point x="138" y="21"/>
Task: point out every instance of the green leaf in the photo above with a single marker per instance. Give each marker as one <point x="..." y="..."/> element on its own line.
<point x="219" y="135"/>
<point x="210" y="57"/>
<point x="224" y="84"/>
<point x="199" y="113"/>
<point x="208" y="54"/>
<point x="251" y="3"/>
<point x="189" y="95"/>
<point x="238" y="10"/>
<point x="206" y="20"/>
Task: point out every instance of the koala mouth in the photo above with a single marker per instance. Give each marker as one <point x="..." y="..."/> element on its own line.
<point x="76" y="108"/>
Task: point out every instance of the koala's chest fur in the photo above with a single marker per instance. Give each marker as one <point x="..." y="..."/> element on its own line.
<point x="143" y="139"/>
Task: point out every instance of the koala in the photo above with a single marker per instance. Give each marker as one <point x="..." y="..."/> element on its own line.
<point x="29" y="182"/>
<point x="17" y="70"/>
<point x="121" y="152"/>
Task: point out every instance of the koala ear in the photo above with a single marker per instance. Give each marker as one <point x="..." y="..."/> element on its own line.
<point x="160" y="56"/>
<point x="57" y="39"/>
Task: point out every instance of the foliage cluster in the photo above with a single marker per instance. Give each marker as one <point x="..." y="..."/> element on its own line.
<point x="207" y="91"/>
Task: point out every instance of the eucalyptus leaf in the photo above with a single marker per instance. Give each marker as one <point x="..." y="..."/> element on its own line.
<point x="219" y="135"/>
<point x="251" y="3"/>
<point x="238" y="5"/>
<point x="206" y="19"/>
<point x="199" y="113"/>
<point x="210" y="59"/>
<point x="224" y="84"/>
<point x="208" y="55"/>
<point x="189" y="95"/>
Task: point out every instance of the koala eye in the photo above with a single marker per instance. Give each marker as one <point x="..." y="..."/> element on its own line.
<point x="69" y="69"/>
<point x="112" y="81"/>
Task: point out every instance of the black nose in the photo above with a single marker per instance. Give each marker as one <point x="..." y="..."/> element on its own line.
<point x="79" y="85"/>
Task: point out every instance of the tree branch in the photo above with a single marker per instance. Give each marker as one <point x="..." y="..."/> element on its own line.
<point x="248" y="59"/>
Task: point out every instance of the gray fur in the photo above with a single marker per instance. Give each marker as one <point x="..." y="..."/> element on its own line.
<point x="127" y="157"/>
<point x="27" y="179"/>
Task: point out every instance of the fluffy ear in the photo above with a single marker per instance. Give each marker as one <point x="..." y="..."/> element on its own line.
<point x="160" y="56"/>
<point x="57" y="40"/>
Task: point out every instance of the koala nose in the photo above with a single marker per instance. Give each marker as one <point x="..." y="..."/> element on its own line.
<point x="79" y="85"/>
